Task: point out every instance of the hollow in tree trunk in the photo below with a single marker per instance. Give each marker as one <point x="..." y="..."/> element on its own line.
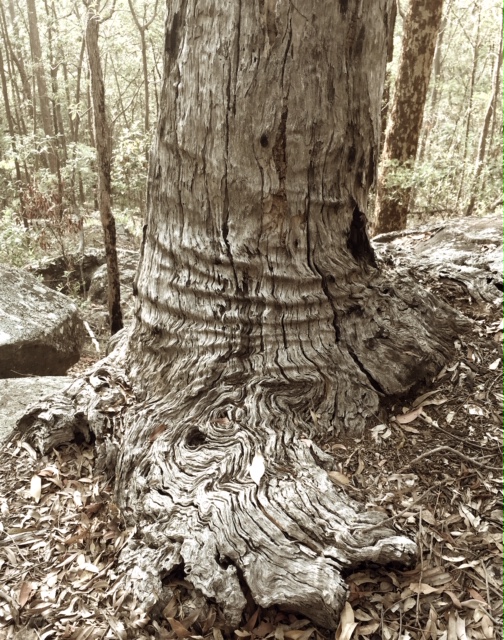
<point x="262" y="320"/>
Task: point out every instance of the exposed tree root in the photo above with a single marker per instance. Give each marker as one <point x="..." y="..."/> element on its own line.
<point x="229" y="502"/>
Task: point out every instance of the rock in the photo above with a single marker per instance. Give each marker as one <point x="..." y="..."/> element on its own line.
<point x="128" y="261"/>
<point x="41" y="332"/>
<point x="17" y="393"/>
<point x="463" y="250"/>
<point x="87" y="273"/>
<point x="63" y="273"/>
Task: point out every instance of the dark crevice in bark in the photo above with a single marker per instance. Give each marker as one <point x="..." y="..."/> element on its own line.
<point x="374" y="383"/>
<point x="172" y="38"/>
<point x="237" y="55"/>
<point x="498" y="285"/>
<point x="325" y="289"/>
<point x="358" y="242"/>
<point x="225" y="203"/>
<point x="279" y="150"/>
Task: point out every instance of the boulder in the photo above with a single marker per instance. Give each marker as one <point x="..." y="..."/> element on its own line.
<point x="128" y="261"/>
<point x="17" y="393"/>
<point x="64" y="273"/>
<point x="87" y="272"/>
<point x="41" y="332"/>
<point x="467" y="251"/>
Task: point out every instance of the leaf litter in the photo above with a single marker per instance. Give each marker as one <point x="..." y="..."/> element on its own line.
<point x="433" y="466"/>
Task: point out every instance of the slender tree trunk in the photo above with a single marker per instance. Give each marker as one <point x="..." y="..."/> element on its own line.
<point x="262" y="319"/>
<point x="388" y="80"/>
<point x="76" y="126"/>
<point x="482" y="146"/>
<point x="470" y="100"/>
<point x="44" y="101"/>
<point x="436" y="90"/>
<point x="59" y="127"/>
<point x="142" y="30"/>
<point x="16" y="54"/>
<point x="497" y="91"/>
<point x="12" y="134"/>
<point x="403" y="130"/>
<point x="104" y="159"/>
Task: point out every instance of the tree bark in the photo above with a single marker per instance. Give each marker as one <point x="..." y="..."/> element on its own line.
<point x="388" y="80"/>
<point x="104" y="159"/>
<point x="476" y="44"/>
<point x="405" y="122"/>
<point x="142" y="29"/>
<point x="262" y="319"/>
<point x="482" y="145"/>
<point x="12" y="135"/>
<point x="44" y="101"/>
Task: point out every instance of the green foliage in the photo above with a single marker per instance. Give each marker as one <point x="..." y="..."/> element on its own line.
<point x="129" y="169"/>
<point x="61" y="28"/>
<point x="16" y="243"/>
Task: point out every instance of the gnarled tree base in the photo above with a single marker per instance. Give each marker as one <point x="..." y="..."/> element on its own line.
<point x="226" y="503"/>
<point x="219" y="472"/>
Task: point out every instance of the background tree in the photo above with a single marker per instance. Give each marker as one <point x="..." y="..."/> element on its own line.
<point x="403" y="130"/>
<point x="262" y="319"/>
<point x="43" y="93"/>
<point x="482" y="145"/>
<point x="103" y="143"/>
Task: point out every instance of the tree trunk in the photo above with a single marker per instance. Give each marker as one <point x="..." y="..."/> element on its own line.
<point x="436" y="91"/>
<point x="262" y="320"/>
<point x="142" y="30"/>
<point x="104" y="159"/>
<point x="405" y="122"/>
<point x="12" y="135"/>
<point x="390" y="57"/>
<point x="44" y="101"/>
<point x="482" y="145"/>
<point x="477" y="9"/>
<point x="16" y="54"/>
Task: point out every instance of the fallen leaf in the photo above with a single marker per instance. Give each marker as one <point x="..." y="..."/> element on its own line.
<point x="423" y="397"/>
<point x="409" y="429"/>
<point x="298" y="634"/>
<point x="347" y="623"/>
<point x="452" y="626"/>
<point x="251" y="622"/>
<point x="339" y="478"/>
<point x="487" y="626"/>
<point x="405" y="418"/>
<point x="368" y="629"/>
<point x="494" y="364"/>
<point x="461" y="628"/>
<point x="421" y="587"/>
<point x="179" y="628"/>
<point x="428" y="517"/>
<point x="454" y="599"/>
<point x="24" y="593"/>
<point x="36" y="488"/>
<point x="477" y="596"/>
<point x="31" y="450"/>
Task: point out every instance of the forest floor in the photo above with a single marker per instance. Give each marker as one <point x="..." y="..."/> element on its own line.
<point x="433" y="466"/>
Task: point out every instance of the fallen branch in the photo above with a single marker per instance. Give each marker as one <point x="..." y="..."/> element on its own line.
<point x="482" y="465"/>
